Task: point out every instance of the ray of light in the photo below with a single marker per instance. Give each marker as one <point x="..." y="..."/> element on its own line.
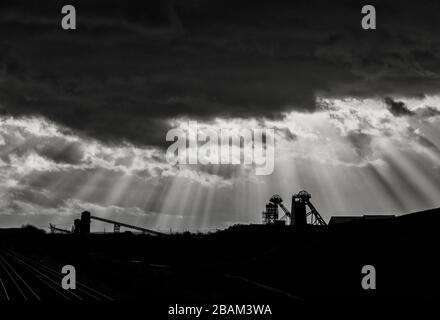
<point x="422" y="189"/>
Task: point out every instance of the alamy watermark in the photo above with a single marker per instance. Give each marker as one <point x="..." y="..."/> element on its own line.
<point x="194" y="144"/>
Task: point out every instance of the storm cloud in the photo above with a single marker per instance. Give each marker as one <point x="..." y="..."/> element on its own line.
<point x="397" y="108"/>
<point x="132" y="67"/>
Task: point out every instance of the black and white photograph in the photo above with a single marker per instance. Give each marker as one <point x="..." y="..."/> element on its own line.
<point x="219" y="158"/>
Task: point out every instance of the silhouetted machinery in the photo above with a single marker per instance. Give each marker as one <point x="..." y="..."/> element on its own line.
<point x="54" y="229"/>
<point x="270" y="216"/>
<point x="82" y="226"/>
<point x="298" y="214"/>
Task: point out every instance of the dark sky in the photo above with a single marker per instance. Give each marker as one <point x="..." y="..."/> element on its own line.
<point x="143" y="62"/>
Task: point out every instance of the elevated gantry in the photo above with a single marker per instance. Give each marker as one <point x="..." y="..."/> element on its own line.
<point x="82" y="226"/>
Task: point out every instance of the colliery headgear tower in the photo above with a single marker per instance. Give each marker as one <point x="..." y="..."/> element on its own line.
<point x="300" y="201"/>
<point x="298" y="209"/>
<point x="270" y="215"/>
<point x="298" y="215"/>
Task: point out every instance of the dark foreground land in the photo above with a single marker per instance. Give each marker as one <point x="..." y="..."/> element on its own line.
<point x="243" y="264"/>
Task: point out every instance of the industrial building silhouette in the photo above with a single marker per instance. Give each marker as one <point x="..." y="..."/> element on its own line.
<point x="301" y="214"/>
<point x="298" y="215"/>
